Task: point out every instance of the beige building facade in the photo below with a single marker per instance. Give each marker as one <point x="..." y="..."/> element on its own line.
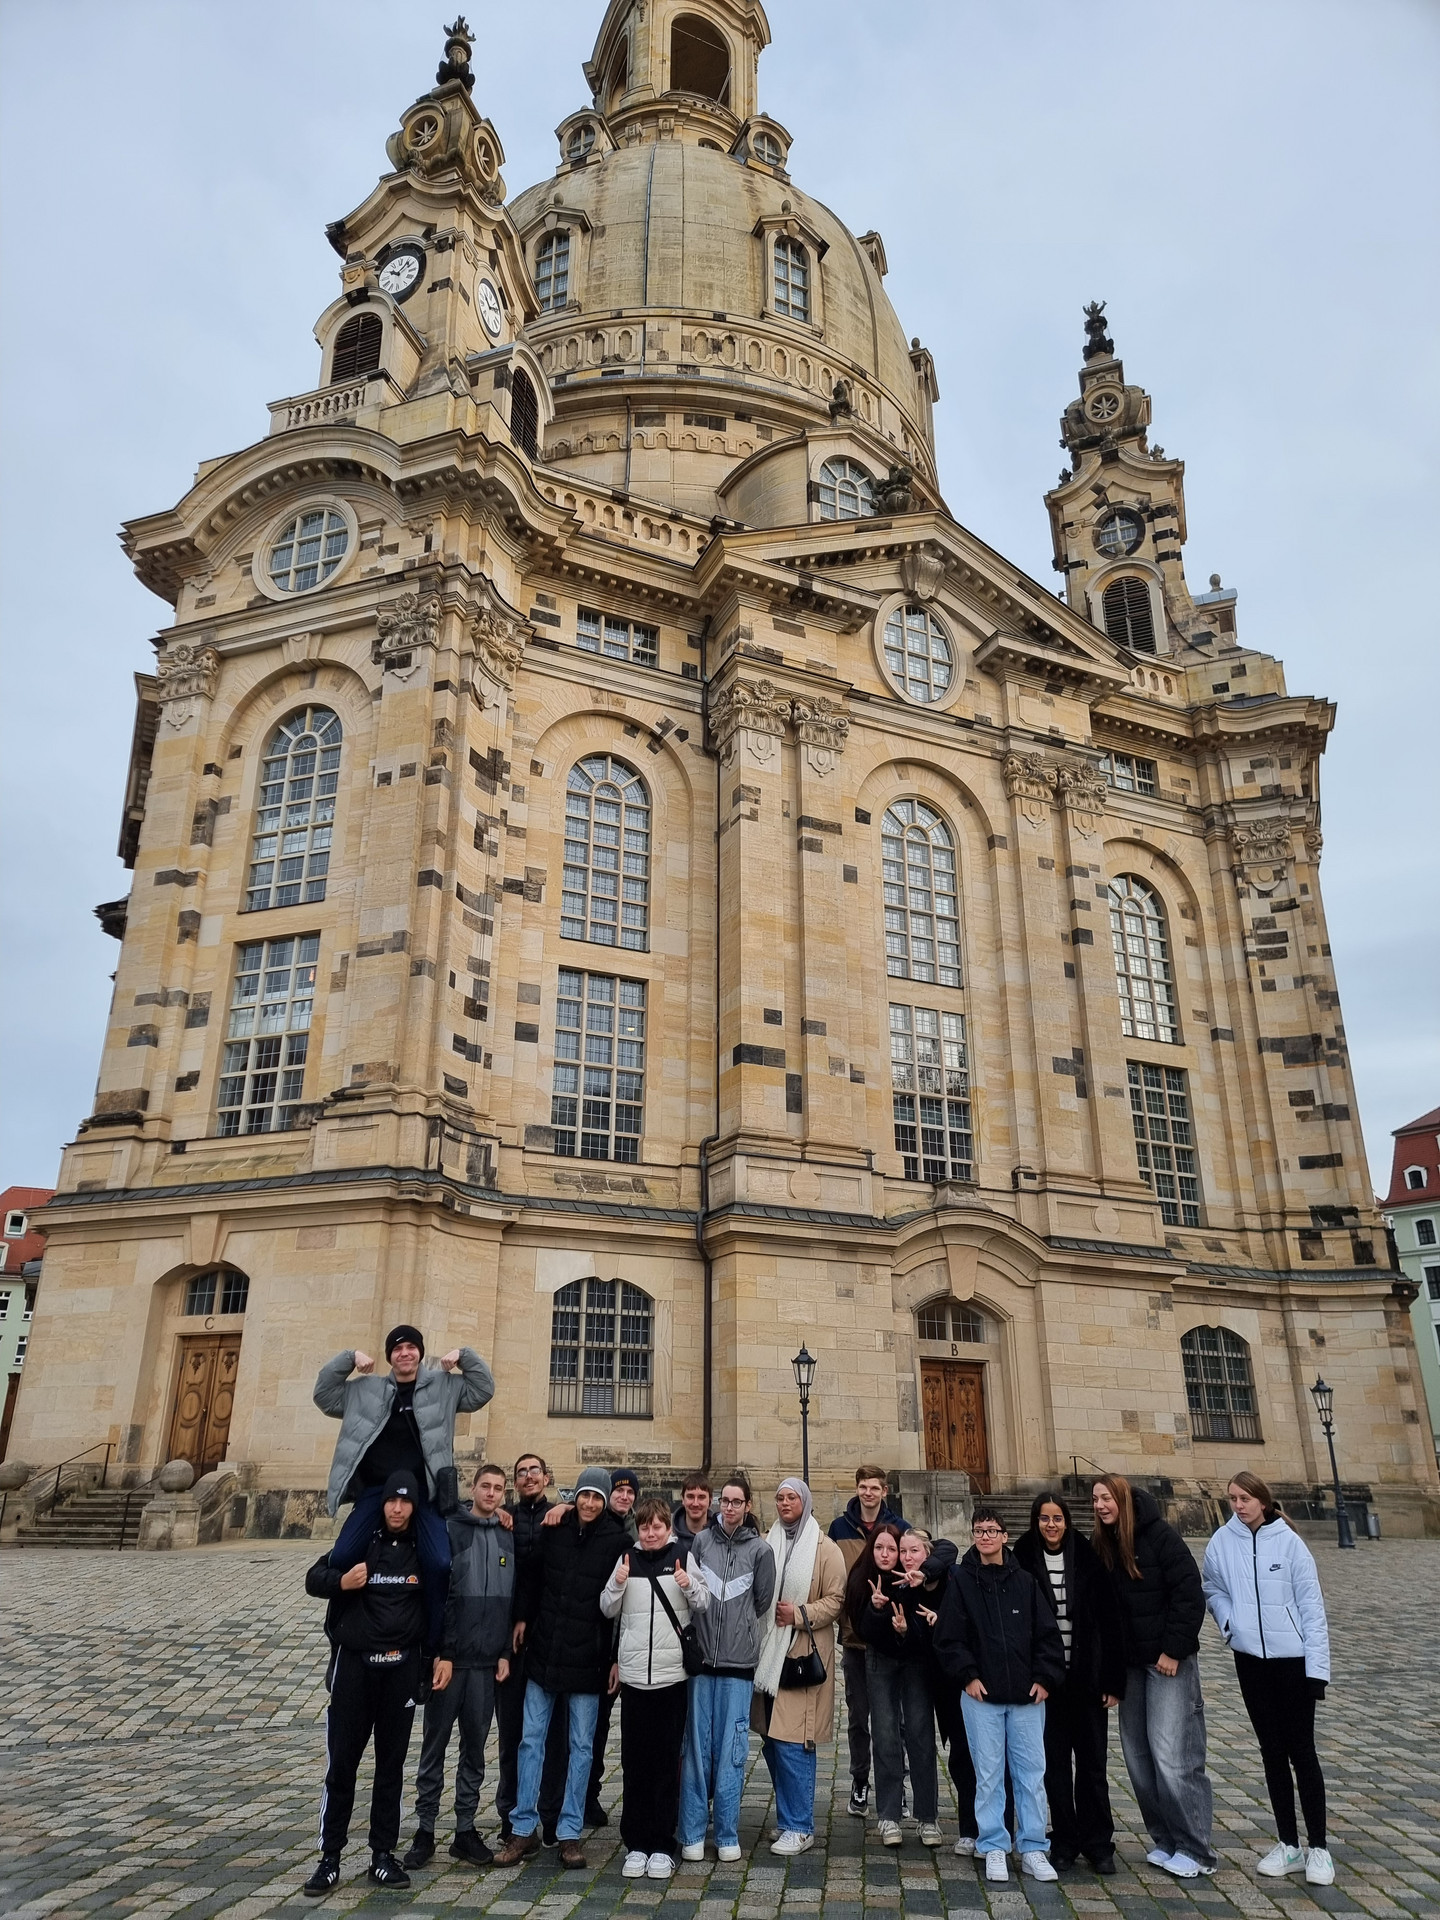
<point x="624" y="880"/>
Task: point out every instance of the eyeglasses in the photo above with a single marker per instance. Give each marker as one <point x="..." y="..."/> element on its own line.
<point x="988" y="1533"/>
<point x="527" y="1473"/>
<point x="731" y="1503"/>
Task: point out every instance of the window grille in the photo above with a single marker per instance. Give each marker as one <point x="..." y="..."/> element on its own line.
<point x="267" y="1041"/>
<point x="602" y="1341"/>
<point x="357" y="348"/>
<point x="617" y="639"/>
<point x="1425" y="1233"/>
<point x="606" y="889"/>
<point x="922" y="906"/>
<point x="524" y="413"/>
<point x="580" y="141"/>
<point x="767" y="148"/>
<point x="232" y="1288"/>
<point x="308" y="549"/>
<point x="917" y="652"/>
<point x="947" y="1320"/>
<point x="1219" y="1385"/>
<point x="290" y="852"/>
<point x="1127" y="773"/>
<point x="552" y="263"/>
<point x="930" y="1082"/>
<point x="1142" y="962"/>
<point x="846" y="491"/>
<point x="792" y="279"/>
<point x="597" y="1104"/>
<point x="1129" y="618"/>
<point x="1432" y="1284"/>
<point x="1165" y="1141"/>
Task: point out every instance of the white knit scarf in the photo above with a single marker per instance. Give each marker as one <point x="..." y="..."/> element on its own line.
<point x="795" y="1587"/>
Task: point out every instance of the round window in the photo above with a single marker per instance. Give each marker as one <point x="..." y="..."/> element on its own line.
<point x="580" y="142"/>
<point x="307" y="550"/>
<point x="1119" y="533"/>
<point x="918" y="653"/>
<point x="767" y="148"/>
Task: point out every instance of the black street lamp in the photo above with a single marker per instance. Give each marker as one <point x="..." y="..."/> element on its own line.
<point x="804" y="1365"/>
<point x="1324" y="1398"/>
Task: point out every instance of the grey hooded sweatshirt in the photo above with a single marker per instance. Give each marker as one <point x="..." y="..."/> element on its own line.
<point x="739" y="1570"/>
<point x="362" y="1406"/>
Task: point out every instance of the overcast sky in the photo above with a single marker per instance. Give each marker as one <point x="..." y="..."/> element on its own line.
<point x="1250" y="184"/>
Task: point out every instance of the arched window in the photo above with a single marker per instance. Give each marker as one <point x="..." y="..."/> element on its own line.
<point x="222" y="1290"/>
<point x="699" y="59"/>
<point x="922" y="906"/>
<point x="308" y="549"/>
<point x="524" y="413"/>
<point x="357" y="347"/>
<point x="1129" y="620"/>
<point x="602" y="1350"/>
<point x="792" y="279"/>
<point x="1415" y="1178"/>
<point x="846" y="491"/>
<point x="552" y="267"/>
<point x="606" y="895"/>
<point x="1219" y="1385"/>
<point x="917" y="652"/>
<point x="290" y="853"/>
<point x="1142" y="962"/>
<point x="948" y="1320"/>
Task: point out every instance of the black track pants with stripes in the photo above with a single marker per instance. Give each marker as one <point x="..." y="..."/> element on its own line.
<point x="365" y="1700"/>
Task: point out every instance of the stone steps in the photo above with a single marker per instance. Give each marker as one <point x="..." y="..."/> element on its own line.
<point x="92" y="1518"/>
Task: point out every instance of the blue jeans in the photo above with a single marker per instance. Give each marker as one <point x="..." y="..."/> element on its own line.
<point x="717" y="1745"/>
<point x="792" y="1768"/>
<point x="996" y="1734"/>
<point x="432" y="1541"/>
<point x="539" y="1707"/>
<point x="1162" y="1735"/>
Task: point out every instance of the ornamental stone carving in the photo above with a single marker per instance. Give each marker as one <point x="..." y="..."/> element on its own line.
<point x="1031" y="780"/>
<point x="1083" y="793"/>
<point x="751" y="714"/>
<point x="413" y="622"/>
<point x="922" y="574"/>
<point x="187" y="676"/>
<point x="500" y="643"/>
<point x="1262" y="855"/>
<point x="822" y="728"/>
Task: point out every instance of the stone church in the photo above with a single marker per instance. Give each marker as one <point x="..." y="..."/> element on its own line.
<point x="623" y="879"/>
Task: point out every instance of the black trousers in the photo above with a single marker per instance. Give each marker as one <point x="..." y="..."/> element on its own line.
<point x="597" y="1752"/>
<point x="367" y="1700"/>
<point x="652" y="1734"/>
<point x="1277" y="1699"/>
<point x="1076" y="1728"/>
<point x="509" y="1727"/>
<point x="951" y="1722"/>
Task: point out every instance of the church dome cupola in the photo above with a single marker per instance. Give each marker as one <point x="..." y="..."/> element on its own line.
<point x="705" y="53"/>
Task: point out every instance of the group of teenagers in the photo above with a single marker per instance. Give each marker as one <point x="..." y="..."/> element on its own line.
<point x="535" y="1615"/>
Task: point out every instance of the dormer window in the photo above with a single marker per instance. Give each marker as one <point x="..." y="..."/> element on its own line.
<point x="846" y="491"/>
<point x="14" y="1226"/>
<point x="357" y="347"/>
<point x="1129" y="620"/>
<point x="767" y="149"/>
<point x="552" y="270"/>
<point x="580" y="141"/>
<point x="792" y="279"/>
<point x="1415" y="1179"/>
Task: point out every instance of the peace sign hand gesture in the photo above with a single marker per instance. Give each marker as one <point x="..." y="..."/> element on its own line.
<point x="927" y="1615"/>
<point x="877" y="1598"/>
<point x="897" y="1618"/>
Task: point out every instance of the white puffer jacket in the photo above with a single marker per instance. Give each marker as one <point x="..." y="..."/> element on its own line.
<point x="650" y="1655"/>
<point x="1264" y="1593"/>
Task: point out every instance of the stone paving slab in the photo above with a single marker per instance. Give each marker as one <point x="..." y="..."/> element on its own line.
<point x="162" y="1742"/>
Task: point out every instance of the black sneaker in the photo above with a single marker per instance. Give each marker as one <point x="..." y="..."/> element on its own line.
<point x="325" y="1878"/>
<point x="860" y="1797"/>
<point x="596" y="1816"/>
<point x="422" y="1847"/>
<point x="469" y="1846"/>
<point x="386" y="1871"/>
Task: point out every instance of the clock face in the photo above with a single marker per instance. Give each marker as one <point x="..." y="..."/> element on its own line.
<point x="400" y="274"/>
<point x="492" y="314"/>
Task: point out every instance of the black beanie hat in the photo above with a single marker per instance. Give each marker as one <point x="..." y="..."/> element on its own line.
<point x="397" y="1334"/>
<point x="625" y="1476"/>
<point x="400" y="1486"/>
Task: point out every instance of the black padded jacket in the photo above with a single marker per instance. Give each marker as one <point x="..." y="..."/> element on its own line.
<point x="1162" y="1611"/>
<point x="1097" y="1657"/>
<point x="569" y="1644"/>
<point x="994" y="1626"/>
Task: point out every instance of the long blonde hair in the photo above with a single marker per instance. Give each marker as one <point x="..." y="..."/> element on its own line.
<point x="1117" y="1542"/>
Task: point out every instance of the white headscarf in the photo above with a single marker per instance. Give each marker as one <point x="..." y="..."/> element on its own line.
<point x="793" y="1529"/>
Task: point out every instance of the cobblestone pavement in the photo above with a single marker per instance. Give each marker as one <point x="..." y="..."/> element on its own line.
<point x="161" y="1753"/>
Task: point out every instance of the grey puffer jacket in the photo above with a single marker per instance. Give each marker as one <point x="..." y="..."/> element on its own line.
<point x="739" y="1570"/>
<point x="362" y="1406"/>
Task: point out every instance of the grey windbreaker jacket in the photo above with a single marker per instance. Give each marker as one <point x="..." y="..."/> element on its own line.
<point x="362" y="1406"/>
<point x="481" y="1601"/>
<point x="739" y="1571"/>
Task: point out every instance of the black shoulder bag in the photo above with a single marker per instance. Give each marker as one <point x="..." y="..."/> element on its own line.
<point x="690" y="1655"/>
<point x="805" y="1669"/>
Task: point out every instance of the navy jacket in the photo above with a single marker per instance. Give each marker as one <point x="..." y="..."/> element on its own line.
<point x="481" y="1600"/>
<point x="995" y="1626"/>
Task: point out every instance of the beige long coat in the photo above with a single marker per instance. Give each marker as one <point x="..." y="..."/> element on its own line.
<point x="806" y="1715"/>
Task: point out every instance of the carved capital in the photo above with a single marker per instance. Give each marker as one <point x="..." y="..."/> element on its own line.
<point x="187" y="676"/>
<point x="1029" y="776"/>
<point x="1262" y="851"/>
<point x="1314" y="843"/>
<point x="500" y="643"/>
<point x="412" y="622"/>
<point x="749" y="706"/>
<point x="1083" y="793"/>
<point x="822" y="728"/>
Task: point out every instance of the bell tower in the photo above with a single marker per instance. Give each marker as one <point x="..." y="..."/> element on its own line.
<point x="705" y="50"/>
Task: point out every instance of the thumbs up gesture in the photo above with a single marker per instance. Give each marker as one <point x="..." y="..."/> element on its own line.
<point x="622" y="1570"/>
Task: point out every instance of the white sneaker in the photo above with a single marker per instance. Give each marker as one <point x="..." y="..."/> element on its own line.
<point x="965" y="1846"/>
<point x="1038" y="1866"/>
<point x="793" y="1843"/>
<point x="696" y="1851"/>
<point x="660" y="1866"/>
<point x="1280" y="1860"/>
<point x="890" y="1833"/>
<point x="728" y="1854"/>
<point x="1184" y="1868"/>
<point x="1157" y="1857"/>
<point x="635" y="1865"/>
<point x="930" y="1834"/>
<point x="1319" y="1867"/>
<point x="996" y="1867"/>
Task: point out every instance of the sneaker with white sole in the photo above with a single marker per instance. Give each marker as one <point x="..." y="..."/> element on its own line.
<point x="793" y="1843"/>
<point x="1038" y="1866"/>
<point x="1184" y="1868"/>
<point x="1320" y="1867"/>
<point x="696" y="1851"/>
<point x="1157" y="1857"/>
<point x="727" y="1855"/>
<point x="965" y="1846"/>
<point x="890" y="1835"/>
<point x="1280" y="1860"/>
<point x="660" y="1867"/>
<point x="930" y="1834"/>
<point x="859" y="1798"/>
<point x="996" y="1866"/>
<point x="635" y="1865"/>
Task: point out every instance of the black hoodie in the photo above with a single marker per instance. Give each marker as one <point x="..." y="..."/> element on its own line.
<point x="386" y="1617"/>
<point x="994" y="1626"/>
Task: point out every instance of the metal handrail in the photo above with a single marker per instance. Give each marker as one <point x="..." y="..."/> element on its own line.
<point x="1075" y="1460"/>
<point x="48" y="1505"/>
<point x="125" y="1520"/>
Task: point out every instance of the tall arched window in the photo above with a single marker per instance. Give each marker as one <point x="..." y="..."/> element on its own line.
<point x="922" y="905"/>
<point x="606" y="894"/>
<point x="602" y="1349"/>
<point x="1219" y="1385"/>
<point x="357" y="347"/>
<point x="917" y="652"/>
<point x="290" y="852"/>
<point x="1142" y="962"/>
<point x="846" y="491"/>
<point x="524" y="413"/>
<point x="552" y="264"/>
<point x="792" y="278"/>
<point x="1129" y="619"/>
<point x="699" y="58"/>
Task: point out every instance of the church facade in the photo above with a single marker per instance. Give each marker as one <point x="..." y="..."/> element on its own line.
<point x="622" y="879"/>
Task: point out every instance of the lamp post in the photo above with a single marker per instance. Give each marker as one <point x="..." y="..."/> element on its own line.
<point x="1324" y="1398"/>
<point x="804" y="1365"/>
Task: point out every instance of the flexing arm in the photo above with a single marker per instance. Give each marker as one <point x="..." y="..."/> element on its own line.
<point x="477" y="1383"/>
<point x="329" y="1393"/>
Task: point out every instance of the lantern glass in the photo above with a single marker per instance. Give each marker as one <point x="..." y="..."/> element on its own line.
<point x="1324" y="1398"/>
<point x="804" y="1365"/>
